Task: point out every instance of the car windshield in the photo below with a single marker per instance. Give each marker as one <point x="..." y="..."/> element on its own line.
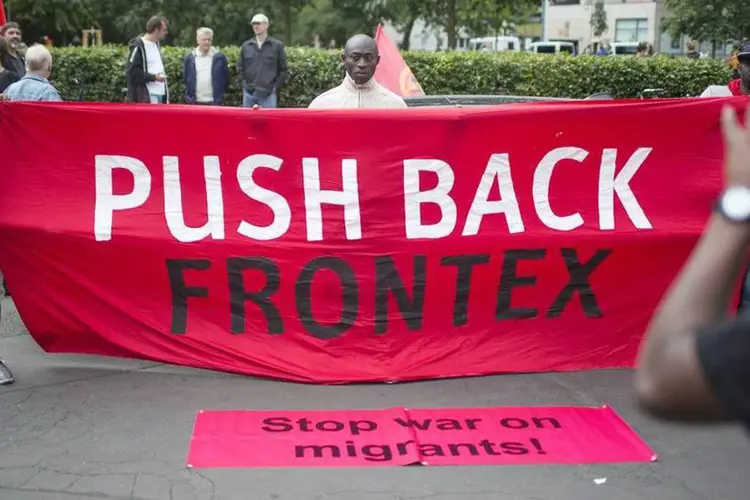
<point x="545" y="49"/>
<point x="626" y="50"/>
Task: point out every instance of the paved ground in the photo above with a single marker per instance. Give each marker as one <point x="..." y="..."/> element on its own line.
<point x="91" y="428"/>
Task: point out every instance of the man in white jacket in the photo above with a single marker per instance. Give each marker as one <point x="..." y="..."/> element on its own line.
<point x="359" y="88"/>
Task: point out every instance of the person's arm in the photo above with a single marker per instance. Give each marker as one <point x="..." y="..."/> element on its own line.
<point x="188" y="66"/>
<point x="135" y="71"/>
<point x="671" y="381"/>
<point x="224" y="70"/>
<point x="241" y="65"/>
<point x="282" y="70"/>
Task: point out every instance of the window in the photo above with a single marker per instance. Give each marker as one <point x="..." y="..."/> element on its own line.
<point x="675" y="43"/>
<point x="631" y="30"/>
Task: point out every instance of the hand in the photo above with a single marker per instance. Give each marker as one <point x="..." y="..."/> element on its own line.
<point x="3" y="97"/>
<point x="161" y="77"/>
<point x="255" y="106"/>
<point x="736" y="147"/>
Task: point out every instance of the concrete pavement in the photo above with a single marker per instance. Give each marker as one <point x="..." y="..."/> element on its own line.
<point x="81" y="427"/>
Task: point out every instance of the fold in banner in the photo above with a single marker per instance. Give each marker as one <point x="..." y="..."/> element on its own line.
<point x="392" y="72"/>
<point x="401" y="436"/>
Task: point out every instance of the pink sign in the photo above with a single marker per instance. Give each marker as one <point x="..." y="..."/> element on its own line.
<point x="400" y="436"/>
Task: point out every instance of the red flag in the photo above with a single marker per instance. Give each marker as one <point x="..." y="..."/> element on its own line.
<point x="3" y="19"/>
<point x="392" y="72"/>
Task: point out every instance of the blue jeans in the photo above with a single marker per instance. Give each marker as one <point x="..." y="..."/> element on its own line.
<point x="249" y="100"/>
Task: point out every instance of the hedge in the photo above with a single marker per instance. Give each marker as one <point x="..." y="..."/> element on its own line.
<point x="101" y="77"/>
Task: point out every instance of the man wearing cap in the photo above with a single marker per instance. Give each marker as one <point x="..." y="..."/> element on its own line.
<point x="739" y="86"/>
<point x="359" y="88"/>
<point x="261" y="67"/>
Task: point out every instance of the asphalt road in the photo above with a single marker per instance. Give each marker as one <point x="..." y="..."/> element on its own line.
<point x="75" y="427"/>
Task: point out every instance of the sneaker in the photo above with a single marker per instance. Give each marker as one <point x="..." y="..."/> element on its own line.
<point x="6" y="376"/>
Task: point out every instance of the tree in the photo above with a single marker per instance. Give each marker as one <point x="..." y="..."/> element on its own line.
<point x="402" y="14"/>
<point x="334" y="20"/>
<point x="121" y="20"/>
<point x="717" y="21"/>
<point x="289" y="9"/>
<point x="599" y="19"/>
<point x="56" y="18"/>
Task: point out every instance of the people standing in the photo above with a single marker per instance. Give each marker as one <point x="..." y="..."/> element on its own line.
<point x="35" y="85"/>
<point x="147" y="81"/>
<point x="206" y="71"/>
<point x="261" y="66"/>
<point x="14" y="60"/>
<point x="359" y="88"/>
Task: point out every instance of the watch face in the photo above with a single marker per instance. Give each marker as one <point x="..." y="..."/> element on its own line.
<point x="736" y="203"/>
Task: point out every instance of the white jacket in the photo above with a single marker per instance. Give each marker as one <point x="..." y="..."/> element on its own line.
<point x="351" y="95"/>
<point x="717" y="91"/>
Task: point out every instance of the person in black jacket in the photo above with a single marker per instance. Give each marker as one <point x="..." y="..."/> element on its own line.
<point x="7" y="77"/>
<point x="13" y="59"/>
<point x="147" y="81"/>
<point x="206" y="72"/>
<point x="261" y="67"/>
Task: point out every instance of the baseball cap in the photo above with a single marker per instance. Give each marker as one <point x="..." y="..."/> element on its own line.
<point x="744" y="52"/>
<point x="259" y="18"/>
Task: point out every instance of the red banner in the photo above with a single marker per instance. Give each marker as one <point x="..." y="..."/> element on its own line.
<point x="392" y="72"/>
<point x="353" y="245"/>
<point x="399" y="436"/>
<point x="3" y="19"/>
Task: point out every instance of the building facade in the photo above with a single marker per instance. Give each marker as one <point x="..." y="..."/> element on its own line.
<point x="570" y="20"/>
<point x="424" y="37"/>
<point x="627" y="20"/>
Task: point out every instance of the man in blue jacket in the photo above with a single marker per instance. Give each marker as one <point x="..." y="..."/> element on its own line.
<point x="206" y="72"/>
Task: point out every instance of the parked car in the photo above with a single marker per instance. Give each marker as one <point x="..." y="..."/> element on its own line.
<point x="553" y="48"/>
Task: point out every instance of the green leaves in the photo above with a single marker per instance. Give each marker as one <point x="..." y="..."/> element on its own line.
<point x="712" y="20"/>
<point x="312" y="72"/>
<point x="599" y="19"/>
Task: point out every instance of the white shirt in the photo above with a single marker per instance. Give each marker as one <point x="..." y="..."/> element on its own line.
<point x="155" y="66"/>
<point x="717" y="91"/>
<point x="204" y="87"/>
<point x="351" y="95"/>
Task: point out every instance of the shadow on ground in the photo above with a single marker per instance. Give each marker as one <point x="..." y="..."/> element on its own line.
<point x="96" y="428"/>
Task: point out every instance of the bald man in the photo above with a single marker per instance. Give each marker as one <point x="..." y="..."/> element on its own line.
<point x="359" y="88"/>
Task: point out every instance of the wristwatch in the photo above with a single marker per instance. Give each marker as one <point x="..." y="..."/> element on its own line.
<point x="734" y="204"/>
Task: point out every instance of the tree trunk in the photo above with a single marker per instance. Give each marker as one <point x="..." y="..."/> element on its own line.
<point x="406" y="42"/>
<point x="288" y="22"/>
<point x="713" y="49"/>
<point x="451" y="24"/>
